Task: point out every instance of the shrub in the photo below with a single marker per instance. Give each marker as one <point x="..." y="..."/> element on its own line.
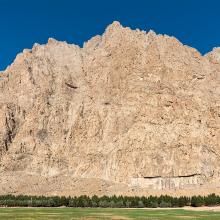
<point x="105" y="201"/>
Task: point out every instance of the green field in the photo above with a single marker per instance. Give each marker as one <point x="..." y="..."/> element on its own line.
<point x="101" y="213"/>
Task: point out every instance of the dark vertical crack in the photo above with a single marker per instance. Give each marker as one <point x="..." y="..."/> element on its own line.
<point x="10" y="124"/>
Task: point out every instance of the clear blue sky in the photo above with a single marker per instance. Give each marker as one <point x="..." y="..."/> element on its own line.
<point x="24" y="22"/>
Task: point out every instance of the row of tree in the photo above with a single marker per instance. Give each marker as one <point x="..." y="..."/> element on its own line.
<point x="109" y="201"/>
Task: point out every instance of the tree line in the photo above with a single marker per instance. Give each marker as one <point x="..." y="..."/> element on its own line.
<point x="162" y="201"/>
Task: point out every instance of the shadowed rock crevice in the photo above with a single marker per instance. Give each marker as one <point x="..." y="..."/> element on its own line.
<point x="11" y="128"/>
<point x="179" y="176"/>
<point x="71" y="86"/>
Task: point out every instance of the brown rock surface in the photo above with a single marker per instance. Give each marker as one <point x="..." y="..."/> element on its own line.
<point x="129" y="113"/>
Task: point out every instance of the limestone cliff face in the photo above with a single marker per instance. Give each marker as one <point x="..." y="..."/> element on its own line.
<point x="130" y="111"/>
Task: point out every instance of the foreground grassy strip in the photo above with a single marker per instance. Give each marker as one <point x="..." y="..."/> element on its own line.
<point x="104" y="213"/>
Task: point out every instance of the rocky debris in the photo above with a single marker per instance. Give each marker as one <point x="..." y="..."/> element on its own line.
<point x="129" y="113"/>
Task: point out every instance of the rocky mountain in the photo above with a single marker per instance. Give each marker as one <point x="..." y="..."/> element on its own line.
<point x="129" y="113"/>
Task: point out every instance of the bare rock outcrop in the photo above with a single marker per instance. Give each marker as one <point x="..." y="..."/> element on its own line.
<point x="130" y="112"/>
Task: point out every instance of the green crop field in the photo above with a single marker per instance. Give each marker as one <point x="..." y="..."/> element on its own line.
<point x="101" y="213"/>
